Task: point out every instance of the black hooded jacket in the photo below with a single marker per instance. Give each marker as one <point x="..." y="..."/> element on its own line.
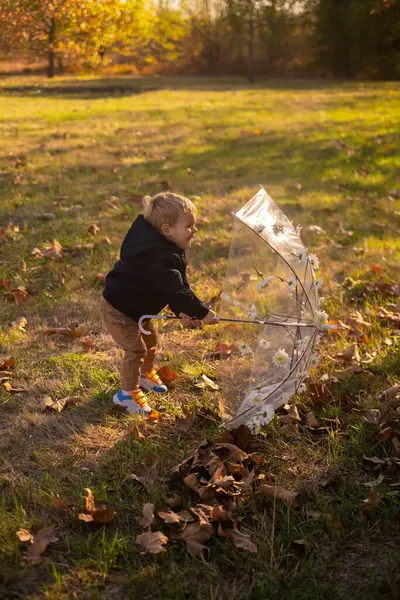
<point x="150" y="274"/>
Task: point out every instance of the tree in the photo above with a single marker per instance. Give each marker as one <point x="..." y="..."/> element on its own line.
<point x="37" y="25"/>
<point x="70" y="28"/>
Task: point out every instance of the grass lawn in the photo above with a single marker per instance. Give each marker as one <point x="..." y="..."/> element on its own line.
<point x="78" y="152"/>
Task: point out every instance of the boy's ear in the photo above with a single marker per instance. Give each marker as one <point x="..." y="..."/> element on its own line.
<point x="165" y="229"/>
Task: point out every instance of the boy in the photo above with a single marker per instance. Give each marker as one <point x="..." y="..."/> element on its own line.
<point x="150" y="274"/>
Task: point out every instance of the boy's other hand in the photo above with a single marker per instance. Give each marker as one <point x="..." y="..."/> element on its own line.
<point x="188" y="321"/>
<point x="211" y="318"/>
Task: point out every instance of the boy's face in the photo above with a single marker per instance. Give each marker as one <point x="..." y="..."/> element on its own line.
<point x="182" y="232"/>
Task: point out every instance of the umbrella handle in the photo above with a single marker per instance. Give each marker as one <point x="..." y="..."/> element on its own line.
<point x="145" y="317"/>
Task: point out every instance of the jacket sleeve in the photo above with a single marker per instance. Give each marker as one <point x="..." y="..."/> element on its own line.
<point x="175" y="289"/>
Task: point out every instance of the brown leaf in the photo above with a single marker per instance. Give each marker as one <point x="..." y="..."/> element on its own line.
<point x="391" y="392"/>
<point x="24" y="536"/>
<point x="6" y="364"/>
<point x="166" y="374"/>
<point x="39" y="542"/>
<point x="20" y="324"/>
<point x="96" y="511"/>
<point x="13" y="390"/>
<point x="147" y="472"/>
<point x="311" y="421"/>
<point x="280" y="493"/>
<point x="57" y="405"/>
<point x="396" y="445"/>
<point x="175" y="501"/>
<point x="373" y="415"/>
<point x="169" y="517"/>
<point x="76" y="332"/>
<point x="191" y="482"/>
<point x="60" y="504"/>
<point x="93" y="229"/>
<point x="240" y="539"/>
<point x="87" y="344"/>
<point x="222" y="351"/>
<point x="351" y="353"/>
<point x="147" y="517"/>
<point x="372" y="501"/>
<point x="152" y="541"/>
<point x="53" y="250"/>
<point x="229" y="452"/>
<point x="241" y="437"/>
<point x="195" y="534"/>
<point x="186" y="423"/>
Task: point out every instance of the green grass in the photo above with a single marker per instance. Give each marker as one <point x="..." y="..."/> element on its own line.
<point x="328" y="154"/>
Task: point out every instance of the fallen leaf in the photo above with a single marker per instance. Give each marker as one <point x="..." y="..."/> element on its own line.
<point x="230" y="452"/>
<point x="351" y="353"/>
<point x="24" y="536"/>
<point x="152" y="541"/>
<point x="87" y="344"/>
<point x="186" y="422"/>
<point x="191" y="482"/>
<point x="166" y="374"/>
<point x="376" y="268"/>
<point x="13" y="390"/>
<point x="37" y="542"/>
<point x="280" y="493"/>
<point x="96" y="511"/>
<point x="396" y="445"/>
<point x="175" y="501"/>
<point x="93" y="229"/>
<point x="5" y="375"/>
<point x="53" y="250"/>
<point x="391" y="392"/>
<point x="57" y="405"/>
<point x="20" y="324"/>
<point x="194" y="535"/>
<point x="311" y="420"/>
<point x="76" y="332"/>
<point x="147" y="517"/>
<point x="240" y="539"/>
<point x="147" y="472"/>
<point x="373" y="415"/>
<point x="241" y="437"/>
<point x="169" y="517"/>
<point x="207" y="383"/>
<point x="372" y="501"/>
<point x="9" y="362"/>
<point x="222" y="351"/>
<point x="60" y="504"/>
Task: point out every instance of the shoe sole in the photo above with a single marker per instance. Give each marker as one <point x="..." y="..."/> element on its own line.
<point x="131" y="412"/>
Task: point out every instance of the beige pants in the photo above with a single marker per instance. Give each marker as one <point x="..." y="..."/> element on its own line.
<point x="139" y="350"/>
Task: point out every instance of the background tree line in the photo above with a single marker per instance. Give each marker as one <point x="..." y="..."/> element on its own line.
<point x="334" y="38"/>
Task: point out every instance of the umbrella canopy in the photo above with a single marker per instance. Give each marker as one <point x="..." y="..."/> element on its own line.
<point x="271" y="278"/>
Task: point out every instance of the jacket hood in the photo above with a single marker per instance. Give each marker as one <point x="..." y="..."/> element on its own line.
<point x="142" y="238"/>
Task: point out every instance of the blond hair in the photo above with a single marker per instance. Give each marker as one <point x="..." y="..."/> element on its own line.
<point x="166" y="207"/>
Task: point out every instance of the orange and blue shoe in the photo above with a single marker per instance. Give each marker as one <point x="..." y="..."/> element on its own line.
<point x="134" y="403"/>
<point x="150" y="381"/>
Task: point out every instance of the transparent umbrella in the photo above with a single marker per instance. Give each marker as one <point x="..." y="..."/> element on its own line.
<point x="271" y="286"/>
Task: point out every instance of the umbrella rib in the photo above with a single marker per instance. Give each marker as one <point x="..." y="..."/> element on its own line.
<point x="282" y="257"/>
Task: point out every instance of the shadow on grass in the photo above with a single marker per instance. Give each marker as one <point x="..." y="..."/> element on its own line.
<point x="98" y="87"/>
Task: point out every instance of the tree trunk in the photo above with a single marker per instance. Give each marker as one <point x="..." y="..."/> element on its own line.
<point x="51" y="53"/>
<point x="250" y="56"/>
<point x="60" y="63"/>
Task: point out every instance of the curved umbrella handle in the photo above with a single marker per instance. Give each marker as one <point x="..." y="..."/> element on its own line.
<point x="146" y="317"/>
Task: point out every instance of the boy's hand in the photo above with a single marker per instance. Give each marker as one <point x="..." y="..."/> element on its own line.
<point x="188" y="321"/>
<point x="211" y="318"/>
